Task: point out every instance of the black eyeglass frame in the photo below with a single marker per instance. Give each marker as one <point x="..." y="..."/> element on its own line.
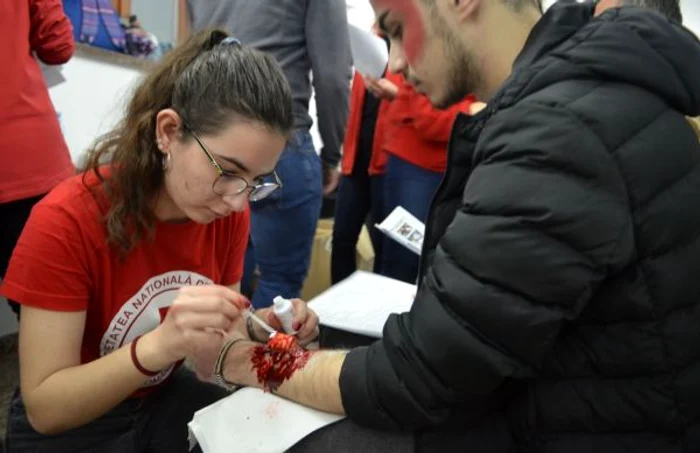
<point x="264" y="189"/>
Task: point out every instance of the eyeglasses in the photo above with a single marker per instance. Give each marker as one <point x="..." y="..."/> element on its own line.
<point x="229" y="184"/>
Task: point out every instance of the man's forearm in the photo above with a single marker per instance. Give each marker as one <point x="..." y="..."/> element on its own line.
<point x="315" y="383"/>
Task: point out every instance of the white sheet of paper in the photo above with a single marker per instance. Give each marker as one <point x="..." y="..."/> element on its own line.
<point x="53" y="75"/>
<point x="252" y="421"/>
<point x="404" y="228"/>
<point x="363" y="302"/>
<point x="369" y="53"/>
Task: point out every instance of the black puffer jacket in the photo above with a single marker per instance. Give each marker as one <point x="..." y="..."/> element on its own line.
<point x="561" y="280"/>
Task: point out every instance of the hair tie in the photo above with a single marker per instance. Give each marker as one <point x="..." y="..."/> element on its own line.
<point x="229" y="41"/>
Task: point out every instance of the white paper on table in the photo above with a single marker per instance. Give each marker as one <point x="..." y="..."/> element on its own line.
<point x="404" y="228"/>
<point x="252" y="421"/>
<point x="369" y="53"/>
<point x="363" y="302"/>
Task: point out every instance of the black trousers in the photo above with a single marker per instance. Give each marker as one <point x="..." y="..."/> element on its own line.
<point x="13" y="217"/>
<point x="155" y="424"/>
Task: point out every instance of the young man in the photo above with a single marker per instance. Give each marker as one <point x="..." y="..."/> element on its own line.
<point x="558" y="306"/>
<point x="308" y="38"/>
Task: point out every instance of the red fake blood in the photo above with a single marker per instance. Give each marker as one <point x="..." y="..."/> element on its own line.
<point x="407" y="12"/>
<point x="277" y="361"/>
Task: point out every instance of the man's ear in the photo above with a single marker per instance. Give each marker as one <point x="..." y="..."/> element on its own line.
<point x="464" y="10"/>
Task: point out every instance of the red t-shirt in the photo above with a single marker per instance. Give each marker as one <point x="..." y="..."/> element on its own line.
<point x="62" y="262"/>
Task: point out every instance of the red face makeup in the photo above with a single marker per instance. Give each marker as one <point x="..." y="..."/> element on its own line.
<point x="413" y="27"/>
<point x="277" y="361"/>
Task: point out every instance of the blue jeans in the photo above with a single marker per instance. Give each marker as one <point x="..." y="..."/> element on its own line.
<point x="359" y="196"/>
<point x="411" y="187"/>
<point x="284" y="224"/>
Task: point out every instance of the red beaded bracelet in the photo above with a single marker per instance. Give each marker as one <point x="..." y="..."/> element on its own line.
<point x="136" y="362"/>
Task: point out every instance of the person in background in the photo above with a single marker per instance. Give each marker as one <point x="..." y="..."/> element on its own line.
<point x="361" y="189"/>
<point x="139" y="42"/>
<point x="415" y="140"/>
<point x="34" y="157"/>
<point x="309" y="38"/>
<point x="557" y="309"/>
<point x="119" y="270"/>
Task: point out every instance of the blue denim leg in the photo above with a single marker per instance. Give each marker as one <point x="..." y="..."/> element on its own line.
<point x="411" y="187"/>
<point x="352" y="205"/>
<point x="359" y="197"/>
<point x="376" y="215"/>
<point x="249" y="265"/>
<point x="283" y="225"/>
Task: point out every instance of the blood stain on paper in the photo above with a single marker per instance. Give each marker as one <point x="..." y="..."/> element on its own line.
<point x="272" y="410"/>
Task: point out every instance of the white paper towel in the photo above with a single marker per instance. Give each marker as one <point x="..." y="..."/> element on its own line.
<point x="252" y="421"/>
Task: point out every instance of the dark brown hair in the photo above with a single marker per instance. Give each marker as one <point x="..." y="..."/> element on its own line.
<point x="669" y="8"/>
<point x="516" y="5"/>
<point x="209" y="81"/>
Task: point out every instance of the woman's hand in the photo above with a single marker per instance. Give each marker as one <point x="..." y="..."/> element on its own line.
<point x="381" y="88"/>
<point x="305" y="322"/>
<point x="199" y="314"/>
<point x="476" y="107"/>
<point x="207" y="350"/>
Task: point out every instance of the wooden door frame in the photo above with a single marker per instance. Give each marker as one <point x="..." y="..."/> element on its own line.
<point x="183" y="23"/>
<point x="122" y="7"/>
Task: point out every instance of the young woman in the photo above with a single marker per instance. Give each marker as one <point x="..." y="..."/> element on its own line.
<point x="121" y="270"/>
<point x="360" y="191"/>
<point x="415" y="138"/>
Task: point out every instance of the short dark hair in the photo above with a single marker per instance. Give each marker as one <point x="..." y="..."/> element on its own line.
<point x="669" y="8"/>
<point x="517" y="5"/>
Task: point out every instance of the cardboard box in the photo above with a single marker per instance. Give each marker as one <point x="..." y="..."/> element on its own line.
<point x="319" y="277"/>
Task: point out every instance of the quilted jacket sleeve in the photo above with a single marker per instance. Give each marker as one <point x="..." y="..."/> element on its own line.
<point x="539" y="227"/>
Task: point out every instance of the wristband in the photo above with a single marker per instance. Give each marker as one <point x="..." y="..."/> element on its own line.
<point x="136" y="362"/>
<point x="219" y="367"/>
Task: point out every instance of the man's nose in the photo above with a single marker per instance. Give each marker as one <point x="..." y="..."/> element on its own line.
<point x="397" y="59"/>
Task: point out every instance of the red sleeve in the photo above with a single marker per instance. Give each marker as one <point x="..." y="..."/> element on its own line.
<point x="432" y="124"/>
<point x="51" y="33"/>
<point x="233" y="269"/>
<point x="49" y="267"/>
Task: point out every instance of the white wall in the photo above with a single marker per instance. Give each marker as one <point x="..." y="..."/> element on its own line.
<point x="158" y="17"/>
<point x="91" y="100"/>
<point x="691" y="15"/>
<point x="689" y="8"/>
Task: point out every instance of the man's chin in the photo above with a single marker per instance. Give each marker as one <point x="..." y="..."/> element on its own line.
<point x="440" y="102"/>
